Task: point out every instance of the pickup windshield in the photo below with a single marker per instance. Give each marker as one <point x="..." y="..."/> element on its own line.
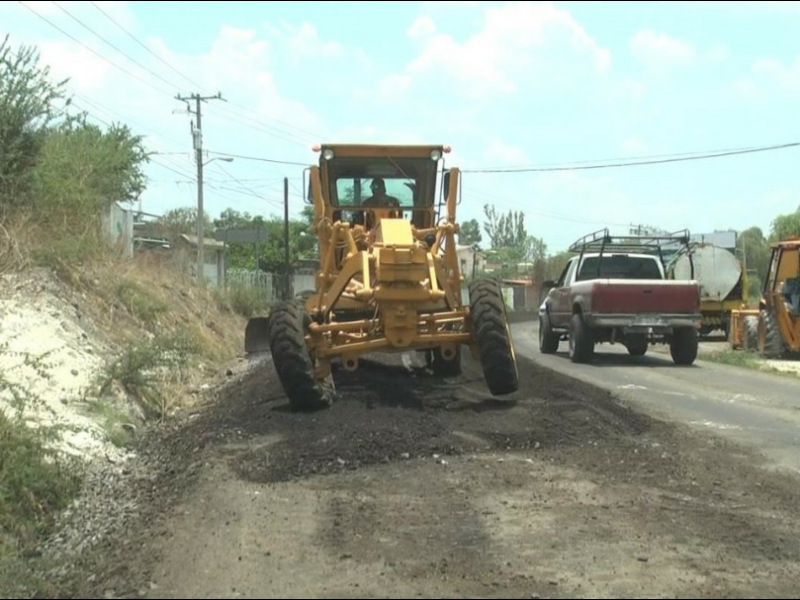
<point x="619" y="266"/>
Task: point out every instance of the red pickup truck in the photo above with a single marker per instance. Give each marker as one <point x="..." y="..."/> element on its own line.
<point x="620" y="297"/>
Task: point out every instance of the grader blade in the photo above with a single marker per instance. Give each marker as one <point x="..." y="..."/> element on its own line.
<point x="256" y="335"/>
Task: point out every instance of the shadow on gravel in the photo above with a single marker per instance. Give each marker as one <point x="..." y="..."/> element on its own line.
<point x="388" y="411"/>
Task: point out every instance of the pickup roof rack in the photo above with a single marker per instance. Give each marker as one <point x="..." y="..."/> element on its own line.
<point x="602" y="241"/>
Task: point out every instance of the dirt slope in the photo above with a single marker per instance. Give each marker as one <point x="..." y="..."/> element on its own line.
<point x="417" y="487"/>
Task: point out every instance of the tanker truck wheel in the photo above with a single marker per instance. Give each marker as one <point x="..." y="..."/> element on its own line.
<point x="293" y="361"/>
<point x="493" y="337"/>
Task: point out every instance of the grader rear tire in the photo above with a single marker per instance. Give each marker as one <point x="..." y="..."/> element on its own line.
<point x="493" y="337"/>
<point x="751" y="334"/>
<point x="293" y="362"/>
<point x="770" y="340"/>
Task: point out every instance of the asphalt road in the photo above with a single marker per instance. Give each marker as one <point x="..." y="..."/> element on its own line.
<point x="760" y="408"/>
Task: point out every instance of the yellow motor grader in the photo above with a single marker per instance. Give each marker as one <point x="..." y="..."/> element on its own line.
<point x="389" y="277"/>
<point x="773" y="330"/>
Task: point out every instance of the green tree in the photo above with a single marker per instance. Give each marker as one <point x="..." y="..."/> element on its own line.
<point x="556" y="264"/>
<point x="470" y="233"/>
<point x="28" y="101"/>
<point x="302" y="242"/>
<point x="82" y="170"/>
<point x="752" y="244"/>
<point x="57" y="171"/>
<point x="784" y="226"/>
<point x="505" y="231"/>
<point x="181" y="221"/>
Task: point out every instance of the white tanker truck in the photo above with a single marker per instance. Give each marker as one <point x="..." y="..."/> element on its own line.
<point x="722" y="278"/>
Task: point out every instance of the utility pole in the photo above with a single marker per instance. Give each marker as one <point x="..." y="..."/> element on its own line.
<point x="287" y="262"/>
<point x="197" y="137"/>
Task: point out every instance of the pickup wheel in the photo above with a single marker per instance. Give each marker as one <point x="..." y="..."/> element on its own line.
<point x="683" y="345"/>
<point x="581" y="340"/>
<point x="548" y="339"/>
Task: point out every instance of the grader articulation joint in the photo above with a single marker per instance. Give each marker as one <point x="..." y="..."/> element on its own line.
<point x="389" y="278"/>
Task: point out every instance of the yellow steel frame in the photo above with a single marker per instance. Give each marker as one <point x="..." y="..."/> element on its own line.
<point x="412" y="290"/>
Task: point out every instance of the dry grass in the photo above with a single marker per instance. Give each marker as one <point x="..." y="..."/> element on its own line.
<point x="146" y="306"/>
<point x="162" y="321"/>
<point x="170" y="335"/>
<point x="12" y="256"/>
<point x="128" y="298"/>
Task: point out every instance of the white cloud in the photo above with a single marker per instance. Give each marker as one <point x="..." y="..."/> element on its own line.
<point x="239" y="63"/>
<point x="635" y="145"/>
<point x="530" y="38"/>
<point x="86" y="71"/>
<point x="499" y="153"/>
<point x="786" y="76"/>
<point x="658" y="50"/>
<point x="422" y="27"/>
<point x="304" y="41"/>
<point x="767" y="74"/>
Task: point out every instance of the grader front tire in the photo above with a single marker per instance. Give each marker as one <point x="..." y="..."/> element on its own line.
<point x="493" y="337"/>
<point x="293" y="362"/>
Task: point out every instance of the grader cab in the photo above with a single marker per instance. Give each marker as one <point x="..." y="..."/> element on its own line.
<point x="389" y="279"/>
<point x="773" y="330"/>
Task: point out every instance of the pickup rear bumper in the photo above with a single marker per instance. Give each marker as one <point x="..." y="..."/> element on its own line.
<point x="644" y="321"/>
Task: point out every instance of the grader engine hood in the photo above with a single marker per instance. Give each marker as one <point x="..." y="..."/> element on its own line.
<point x="404" y="277"/>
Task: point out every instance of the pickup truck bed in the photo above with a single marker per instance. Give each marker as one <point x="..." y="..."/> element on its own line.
<point x="623" y="302"/>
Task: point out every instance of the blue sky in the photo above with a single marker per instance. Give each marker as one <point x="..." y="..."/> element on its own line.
<point x="506" y="84"/>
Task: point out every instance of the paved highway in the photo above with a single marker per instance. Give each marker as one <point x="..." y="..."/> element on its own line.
<point x="760" y="408"/>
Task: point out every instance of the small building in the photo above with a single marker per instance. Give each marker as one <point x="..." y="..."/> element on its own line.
<point x="524" y="292"/>
<point x="471" y="261"/>
<point x="213" y="257"/>
<point x="118" y="228"/>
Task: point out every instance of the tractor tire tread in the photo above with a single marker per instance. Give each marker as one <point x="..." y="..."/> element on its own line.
<point x="493" y="337"/>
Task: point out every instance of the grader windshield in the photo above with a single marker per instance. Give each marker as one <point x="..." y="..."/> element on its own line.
<point x="356" y="177"/>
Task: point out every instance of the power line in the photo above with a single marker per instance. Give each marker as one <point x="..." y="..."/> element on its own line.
<point x="150" y="84"/>
<point x="629" y="158"/>
<point x="633" y="163"/>
<point x="261" y="159"/>
<point x="135" y="39"/>
<point x="575" y="166"/>
<point x="85" y="26"/>
<point x="77" y="41"/>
